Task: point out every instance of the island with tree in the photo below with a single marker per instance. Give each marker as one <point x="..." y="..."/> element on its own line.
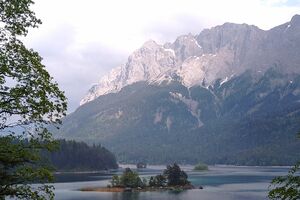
<point x="172" y="178"/>
<point x="201" y="167"/>
<point x="141" y="165"/>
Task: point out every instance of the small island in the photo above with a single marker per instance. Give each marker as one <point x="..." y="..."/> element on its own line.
<point x="173" y="179"/>
<point x="201" y="167"/>
<point x="141" y="165"/>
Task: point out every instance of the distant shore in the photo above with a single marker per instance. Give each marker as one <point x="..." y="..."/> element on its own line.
<point x="146" y="189"/>
<point x="86" y="172"/>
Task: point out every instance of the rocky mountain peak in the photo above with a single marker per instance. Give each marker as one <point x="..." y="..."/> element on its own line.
<point x="293" y="28"/>
<point x="295" y="21"/>
<point x="150" y="44"/>
<point x="216" y="53"/>
<point x="144" y="64"/>
<point x="186" y="46"/>
<point x="228" y="35"/>
<point x="233" y="86"/>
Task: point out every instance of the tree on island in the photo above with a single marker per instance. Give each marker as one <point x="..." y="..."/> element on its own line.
<point x="29" y="102"/>
<point x="129" y="178"/>
<point x="115" y="181"/>
<point x="158" y="181"/>
<point x="175" y="176"/>
<point x="201" y="167"/>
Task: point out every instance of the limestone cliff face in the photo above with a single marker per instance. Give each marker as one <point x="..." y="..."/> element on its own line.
<point x="217" y="53"/>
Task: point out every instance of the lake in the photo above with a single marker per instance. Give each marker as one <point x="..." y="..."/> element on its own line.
<point x="220" y="182"/>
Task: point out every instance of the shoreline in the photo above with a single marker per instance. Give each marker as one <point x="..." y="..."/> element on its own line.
<point x="146" y="189"/>
<point x="86" y="172"/>
<point x="158" y="167"/>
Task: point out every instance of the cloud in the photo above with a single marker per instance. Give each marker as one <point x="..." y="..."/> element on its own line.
<point x="74" y="66"/>
<point x="82" y="40"/>
<point x="289" y="3"/>
<point x="168" y="30"/>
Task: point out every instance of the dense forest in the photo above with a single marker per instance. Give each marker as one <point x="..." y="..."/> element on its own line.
<point x="73" y="156"/>
<point x="239" y="128"/>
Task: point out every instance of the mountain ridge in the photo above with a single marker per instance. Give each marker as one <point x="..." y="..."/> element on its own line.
<point x="235" y="100"/>
<point x="219" y="51"/>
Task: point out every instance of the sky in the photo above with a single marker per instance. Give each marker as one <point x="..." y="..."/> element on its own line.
<point x="82" y="40"/>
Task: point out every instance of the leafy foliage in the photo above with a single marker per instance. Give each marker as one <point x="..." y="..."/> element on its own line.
<point x="28" y="94"/>
<point x="20" y="164"/>
<point x="129" y="178"/>
<point x="29" y="102"/>
<point x="115" y="181"/>
<point x="157" y="181"/>
<point x="175" y="176"/>
<point x="172" y="176"/>
<point x="286" y="187"/>
<point x="201" y="167"/>
<point x="73" y="156"/>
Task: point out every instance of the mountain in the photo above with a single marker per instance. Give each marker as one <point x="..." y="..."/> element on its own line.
<point x="219" y="52"/>
<point x="229" y="95"/>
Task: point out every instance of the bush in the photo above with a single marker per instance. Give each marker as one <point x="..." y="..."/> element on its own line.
<point x="129" y="178"/>
<point x="201" y="167"/>
<point x="157" y="181"/>
<point x="175" y="176"/>
<point x="286" y="187"/>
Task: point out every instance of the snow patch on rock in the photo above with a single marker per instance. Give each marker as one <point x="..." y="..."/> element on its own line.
<point x="168" y="123"/>
<point x="170" y="50"/>
<point x="158" y="117"/>
<point x="182" y="61"/>
<point x="224" y="81"/>
<point x="119" y="114"/>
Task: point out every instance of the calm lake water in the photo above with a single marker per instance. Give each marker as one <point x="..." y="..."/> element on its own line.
<point x="220" y="182"/>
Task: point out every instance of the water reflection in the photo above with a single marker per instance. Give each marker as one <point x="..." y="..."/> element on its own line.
<point x="125" y="196"/>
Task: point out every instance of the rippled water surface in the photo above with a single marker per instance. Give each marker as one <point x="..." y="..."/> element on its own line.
<point x="220" y="182"/>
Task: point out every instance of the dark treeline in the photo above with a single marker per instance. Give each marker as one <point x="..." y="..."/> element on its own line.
<point x="78" y="156"/>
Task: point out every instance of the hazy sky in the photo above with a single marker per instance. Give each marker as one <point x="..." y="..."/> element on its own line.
<point x="81" y="40"/>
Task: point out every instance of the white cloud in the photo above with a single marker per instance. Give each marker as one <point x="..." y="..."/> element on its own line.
<point x="81" y="40"/>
